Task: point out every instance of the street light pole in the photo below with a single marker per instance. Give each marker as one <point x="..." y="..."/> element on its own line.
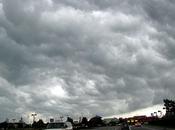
<point x="34" y="116"/>
<point x="160" y="113"/>
<point x="156" y="114"/>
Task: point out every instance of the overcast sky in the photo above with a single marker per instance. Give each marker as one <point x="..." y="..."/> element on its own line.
<point x="85" y="57"/>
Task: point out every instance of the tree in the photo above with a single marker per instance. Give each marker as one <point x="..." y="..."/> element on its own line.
<point x="84" y="122"/>
<point x="170" y="107"/>
<point x="95" y="121"/>
<point x="39" y="124"/>
<point x="69" y="119"/>
<point x="4" y="125"/>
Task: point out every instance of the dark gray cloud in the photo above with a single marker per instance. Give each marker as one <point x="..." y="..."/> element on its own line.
<point x="85" y="57"/>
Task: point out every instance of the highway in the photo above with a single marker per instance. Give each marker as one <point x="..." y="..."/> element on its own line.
<point x="142" y="128"/>
<point x="131" y="128"/>
<point x="148" y="128"/>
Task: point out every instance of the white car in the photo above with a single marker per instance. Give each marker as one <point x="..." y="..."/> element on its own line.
<point x="59" y="126"/>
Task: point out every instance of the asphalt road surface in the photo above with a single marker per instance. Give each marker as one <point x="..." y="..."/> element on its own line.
<point x="142" y="128"/>
<point x="131" y="128"/>
<point x="148" y="128"/>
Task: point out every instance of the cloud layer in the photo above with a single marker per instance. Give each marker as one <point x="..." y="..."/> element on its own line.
<point x="73" y="57"/>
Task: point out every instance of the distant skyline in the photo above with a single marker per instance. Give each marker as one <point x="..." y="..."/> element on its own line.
<point x="141" y="112"/>
<point x="90" y="57"/>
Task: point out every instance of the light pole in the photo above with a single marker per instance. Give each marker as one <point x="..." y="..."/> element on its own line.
<point x="155" y="114"/>
<point x="34" y="116"/>
<point x="152" y="114"/>
<point x="160" y="113"/>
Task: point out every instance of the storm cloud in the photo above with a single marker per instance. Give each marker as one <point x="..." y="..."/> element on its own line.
<point x="74" y="57"/>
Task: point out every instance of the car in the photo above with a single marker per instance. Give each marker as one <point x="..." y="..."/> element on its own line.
<point x="59" y="126"/>
<point x="137" y="124"/>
